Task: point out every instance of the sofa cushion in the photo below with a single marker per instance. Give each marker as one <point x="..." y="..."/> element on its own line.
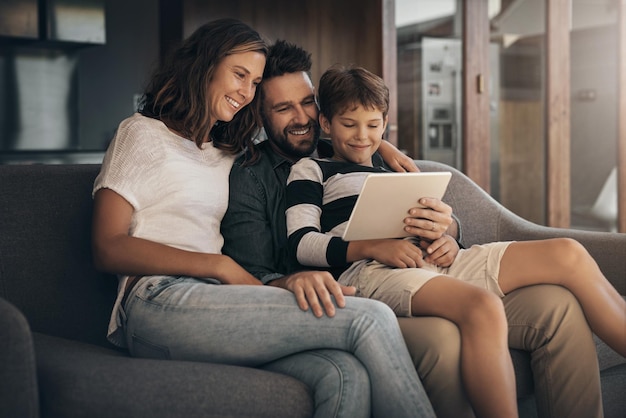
<point x="83" y="380"/>
<point x="45" y="249"/>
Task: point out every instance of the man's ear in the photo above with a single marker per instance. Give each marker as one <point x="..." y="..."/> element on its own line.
<point x="324" y="123"/>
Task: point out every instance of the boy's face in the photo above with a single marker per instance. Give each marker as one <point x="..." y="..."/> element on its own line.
<point x="355" y="134"/>
<point x="290" y="114"/>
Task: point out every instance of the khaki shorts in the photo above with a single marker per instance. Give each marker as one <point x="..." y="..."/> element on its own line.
<point x="478" y="265"/>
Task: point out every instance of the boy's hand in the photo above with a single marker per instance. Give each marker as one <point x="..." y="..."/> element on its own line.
<point x="440" y="252"/>
<point x="397" y="253"/>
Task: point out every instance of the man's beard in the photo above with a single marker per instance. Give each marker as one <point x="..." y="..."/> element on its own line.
<point x="280" y="139"/>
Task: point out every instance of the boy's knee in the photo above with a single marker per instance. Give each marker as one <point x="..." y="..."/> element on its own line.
<point x="483" y="310"/>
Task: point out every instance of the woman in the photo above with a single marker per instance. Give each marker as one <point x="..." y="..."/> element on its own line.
<point x="158" y="203"/>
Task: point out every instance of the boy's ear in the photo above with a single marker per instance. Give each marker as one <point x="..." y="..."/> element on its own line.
<point x="385" y="121"/>
<point x="324" y="123"/>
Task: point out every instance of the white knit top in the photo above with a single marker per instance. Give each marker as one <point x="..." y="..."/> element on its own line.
<point x="179" y="192"/>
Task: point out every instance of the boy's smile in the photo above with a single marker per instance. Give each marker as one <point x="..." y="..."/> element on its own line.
<point x="356" y="133"/>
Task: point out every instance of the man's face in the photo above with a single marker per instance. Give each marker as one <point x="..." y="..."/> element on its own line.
<point x="290" y="115"/>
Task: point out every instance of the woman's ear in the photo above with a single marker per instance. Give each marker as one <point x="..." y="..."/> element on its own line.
<point x="324" y="123"/>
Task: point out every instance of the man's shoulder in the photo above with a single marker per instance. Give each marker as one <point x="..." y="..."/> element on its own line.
<point x="265" y="172"/>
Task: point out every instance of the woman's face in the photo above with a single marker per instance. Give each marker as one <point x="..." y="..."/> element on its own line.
<point x="234" y="84"/>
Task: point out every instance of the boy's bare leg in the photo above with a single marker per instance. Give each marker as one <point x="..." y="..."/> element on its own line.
<point x="567" y="263"/>
<point x="486" y="366"/>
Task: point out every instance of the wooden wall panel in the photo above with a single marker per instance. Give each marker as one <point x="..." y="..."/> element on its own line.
<point x="621" y="145"/>
<point x="348" y="31"/>
<point x="558" y="156"/>
<point x="522" y="151"/>
<point x="476" y="127"/>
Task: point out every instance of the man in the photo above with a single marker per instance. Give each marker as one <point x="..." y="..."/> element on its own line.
<point x="563" y="357"/>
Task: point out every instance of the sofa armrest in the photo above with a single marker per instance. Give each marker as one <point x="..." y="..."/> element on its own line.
<point x="18" y="377"/>
<point x="483" y="219"/>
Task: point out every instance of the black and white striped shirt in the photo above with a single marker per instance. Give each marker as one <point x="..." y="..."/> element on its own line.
<point x="320" y="196"/>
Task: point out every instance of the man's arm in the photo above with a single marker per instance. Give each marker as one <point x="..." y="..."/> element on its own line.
<point x="248" y="230"/>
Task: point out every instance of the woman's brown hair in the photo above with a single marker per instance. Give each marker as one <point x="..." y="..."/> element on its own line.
<point x="177" y="92"/>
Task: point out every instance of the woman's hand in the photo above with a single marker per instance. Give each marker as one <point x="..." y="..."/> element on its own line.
<point x="228" y="271"/>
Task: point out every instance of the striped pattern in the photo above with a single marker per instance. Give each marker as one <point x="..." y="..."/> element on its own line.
<point x="320" y="196"/>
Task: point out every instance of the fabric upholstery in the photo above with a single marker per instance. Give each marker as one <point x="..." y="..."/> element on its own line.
<point x="48" y="284"/>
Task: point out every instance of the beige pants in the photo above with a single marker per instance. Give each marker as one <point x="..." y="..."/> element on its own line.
<point x="544" y="320"/>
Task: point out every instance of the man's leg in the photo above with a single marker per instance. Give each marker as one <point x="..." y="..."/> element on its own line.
<point x="435" y="347"/>
<point x="340" y="383"/>
<point x="548" y="322"/>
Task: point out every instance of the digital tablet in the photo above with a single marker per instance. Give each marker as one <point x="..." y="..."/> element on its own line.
<point x="385" y="200"/>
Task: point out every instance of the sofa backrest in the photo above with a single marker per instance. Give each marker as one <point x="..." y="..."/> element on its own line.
<point x="478" y="212"/>
<point x="46" y="267"/>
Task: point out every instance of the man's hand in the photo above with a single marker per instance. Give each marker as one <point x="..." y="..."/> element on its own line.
<point x="440" y="252"/>
<point x="313" y="289"/>
<point x="431" y="222"/>
<point x="396" y="159"/>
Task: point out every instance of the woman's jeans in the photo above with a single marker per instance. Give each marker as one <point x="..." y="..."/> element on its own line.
<point x="187" y="319"/>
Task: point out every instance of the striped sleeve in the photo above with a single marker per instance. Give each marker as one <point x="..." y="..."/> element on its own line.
<point x="305" y="193"/>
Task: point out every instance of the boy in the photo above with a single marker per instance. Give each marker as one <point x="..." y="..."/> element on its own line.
<point x="320" y="196"/>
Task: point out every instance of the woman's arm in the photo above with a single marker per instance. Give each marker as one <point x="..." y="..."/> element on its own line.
<point x="116" y="251"/>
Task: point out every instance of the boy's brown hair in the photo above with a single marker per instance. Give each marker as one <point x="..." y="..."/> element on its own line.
<point x="342" y="88"/>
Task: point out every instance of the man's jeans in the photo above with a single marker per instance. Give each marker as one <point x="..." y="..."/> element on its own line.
<point x="187" y="319"/>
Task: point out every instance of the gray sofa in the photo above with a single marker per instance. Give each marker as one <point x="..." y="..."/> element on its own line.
<point x="54" y="310"/>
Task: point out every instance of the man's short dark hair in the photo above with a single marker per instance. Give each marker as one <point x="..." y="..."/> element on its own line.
<point x="284" y="57"/>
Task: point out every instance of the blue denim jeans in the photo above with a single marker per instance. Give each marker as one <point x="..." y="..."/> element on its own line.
<point x="187" y="319"/>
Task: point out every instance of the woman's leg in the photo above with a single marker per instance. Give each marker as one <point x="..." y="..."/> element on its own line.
<point x="340" y="383"/>
<point x="486" y="365"/>
<point x="253" y="325"/>
<point x="565" y="262"/>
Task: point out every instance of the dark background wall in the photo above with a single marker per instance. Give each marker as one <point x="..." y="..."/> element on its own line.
<point x="72" y="96"/>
